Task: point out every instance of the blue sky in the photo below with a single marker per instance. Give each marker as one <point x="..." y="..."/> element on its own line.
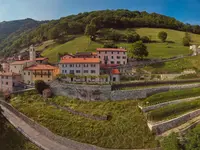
<point x="183" y="10"/>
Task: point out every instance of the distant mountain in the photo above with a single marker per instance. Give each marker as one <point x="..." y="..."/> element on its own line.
<point x="22" y="33"/>
<point x="10" y="30"/>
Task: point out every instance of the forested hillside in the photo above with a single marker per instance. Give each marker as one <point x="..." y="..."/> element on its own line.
<point x="76" y="24"/>
<point x="10" y="31"/>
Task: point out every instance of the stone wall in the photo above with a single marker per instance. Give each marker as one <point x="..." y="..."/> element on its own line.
<point x="143" y="93"/>
<point x="81" y="91"/>
<point x="161" y="127"/>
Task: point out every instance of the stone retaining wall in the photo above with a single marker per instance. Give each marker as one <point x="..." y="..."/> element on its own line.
<point x="149" y="108"/>
<point x="161" y="127"/>
<point x="143" y="93"/>
<point x="81" y="91"/>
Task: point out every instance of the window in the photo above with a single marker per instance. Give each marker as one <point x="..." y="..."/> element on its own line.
<point x="105" y="52"/>
<point x="13" y="84"/>
<point x="118" y="57"/>
<point x="118" y="62"/>
<point x="93" y="65"/>
<point x="124" y="53"/>
<point x="63" y="65"/>
<point x="85" y="71"/>
<point x="85" y="65"/>
<point x="29" y="73"/>
<point x="71" y="71"/>
<point x="112" y="52"/>
<point x="99" y="56"/>
<point x="112" y="62"/>
<point x="124" y="57"/>
<point x="124" y="62"/>
<point x="112" y="57"/>
<point x="6" y="77"/>
<point x="2" y="82"/>
<point x="77" y="65"/>
<point x="71" y="65"/>
<point x="93" y="71"/>
<point x="63" y="71"/>
<point x="24" y="73"/>
<point x="6" y="83"/>
<point x="99" y="52"/>
<point x="78" y="71"/>
<point x="15" y="66"/>
<point x="117" y="52"/>
<point x="2" y="77"/>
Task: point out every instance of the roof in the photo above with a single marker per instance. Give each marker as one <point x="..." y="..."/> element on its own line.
<point x="79" y="60"/>
<point x="94" y="53"/>
<point x="41" y="58"/>
<point x="115" y="71"/>
<point x="112" y="49"/>
<point x="41" y="67"/>
<point x="20" y="62"/>
<point x="9" y="74"/>
<point x="107" y="66"/>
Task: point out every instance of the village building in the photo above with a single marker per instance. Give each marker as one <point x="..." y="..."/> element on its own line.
<point x="40" y="72"/>
<point x="112" y="56"/>
<point x="85" y="55"/>
<point x="81" y="67"/>
<point x="10" y="81"/>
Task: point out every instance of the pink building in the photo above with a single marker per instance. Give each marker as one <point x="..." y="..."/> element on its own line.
<point x="10" y="81"/>
<point x="112" y="56"/>
<point x="5" y="66"/>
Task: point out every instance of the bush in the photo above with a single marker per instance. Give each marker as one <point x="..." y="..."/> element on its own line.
<point x="173" y="110"/>
<point x="186" y="41"/>
<point x="145" y="39"/>
<point x="110" y="45"/>
<point x="192" y="139"/>
<point x="40" y="85"/>
<point x="132" y="37"/>
<point x="188" y="76"/>
<point x="170" y="142"/>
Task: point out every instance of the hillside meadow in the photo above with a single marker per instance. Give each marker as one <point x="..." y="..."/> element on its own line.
<point x="172" y="47"/>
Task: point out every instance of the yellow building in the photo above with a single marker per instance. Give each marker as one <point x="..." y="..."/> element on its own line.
<point x="43" y="72"/>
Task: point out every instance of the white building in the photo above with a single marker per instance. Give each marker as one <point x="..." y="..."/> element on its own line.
<point x="112" y="56"/>
<point x="81" y="67"/>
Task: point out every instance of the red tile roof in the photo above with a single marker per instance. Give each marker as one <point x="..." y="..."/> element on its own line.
<point x="41" y="58"/>
<point x="20" y="62"/>
<point x="41" y="67"/>
<point x="9" y="74"/>
<point x="115" y="71"/>
<point x="79" y="60"/>
<point x="112" y="49"/>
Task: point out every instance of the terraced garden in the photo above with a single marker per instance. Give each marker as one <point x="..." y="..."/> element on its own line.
<point x="170" y="96"/>
<point x="127" y="128"/>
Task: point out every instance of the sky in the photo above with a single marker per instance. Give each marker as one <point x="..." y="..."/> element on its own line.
<point x="187" y="11"/>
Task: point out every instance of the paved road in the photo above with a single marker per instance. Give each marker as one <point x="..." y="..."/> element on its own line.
<point x="37" y="138"/>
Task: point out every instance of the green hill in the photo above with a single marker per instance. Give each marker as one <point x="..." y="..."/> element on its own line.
<point x="172" y="47"/>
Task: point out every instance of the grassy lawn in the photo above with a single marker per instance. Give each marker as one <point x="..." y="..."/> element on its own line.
<point x="173" y="110"/>
<point x="79" y="44"/>
<point x="170" y="96"/>
<point x="11" y="139"/>
<point x="44" y="45"/>
<point x="126" y="129"/>
<point x="176" y="66"/>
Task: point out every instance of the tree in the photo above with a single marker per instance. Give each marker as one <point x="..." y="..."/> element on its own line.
<point x="132" y="37"/>
<point x="145" y="39"/>
<point x="139" y="49"/>
<point x="40" y="85"/>
<point x="187" y="35"/>
<point x="186" y="41"/>
<point x="91" y="30"/>
<point x="162" y="36"/>
<point x="115" y="36"/>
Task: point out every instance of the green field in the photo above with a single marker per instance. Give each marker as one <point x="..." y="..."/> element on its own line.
<point x="126" y="129"/>
<point x="176" y="66"/>
<point x="79" y="44"/>
<point x="11" y="139"/>
<point x="172" y="47"/>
